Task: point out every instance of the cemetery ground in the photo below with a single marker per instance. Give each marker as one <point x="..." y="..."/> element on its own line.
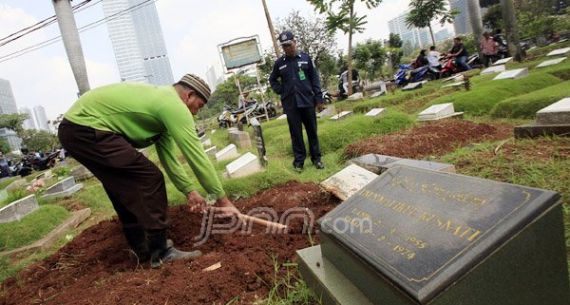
<point x="90" y="264"/>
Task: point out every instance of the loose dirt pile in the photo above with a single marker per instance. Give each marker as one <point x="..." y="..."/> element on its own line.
<point x="429" y="139"/>
<point x="96" y="268"/>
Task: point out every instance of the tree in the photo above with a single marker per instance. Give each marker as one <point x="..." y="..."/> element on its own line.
<point x="341" y="15"/>
<point x="312" y="35"/>
<point x="395" y="48"/>
<point x="493" y="18"/>
<point x="511" y="29"/>
<point x="39" y="140"/>
<point x="227" y="93"/>
<point x="327" y="68"/>
<point x="370" y="57"/>
<point x="423" y="12"/>
<point x="13" y="121"/>
<point x="476" y="23"/>
<point x="4" y="146"/>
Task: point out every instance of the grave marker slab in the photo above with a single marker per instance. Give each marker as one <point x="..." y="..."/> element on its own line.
<point x="551" y="62"/>
<point x="512" y="74"/>
<point x="381" y="163"/>
<point x="558" y="52"/>
<point x="211" y="151"/>
<point x="20" y="183"/>
<point x="438" y="112"/>
<point x="375" y="112"/>
<point x="494" y="69"/>
<point x="63" y="188"/>
<point x="227" y="153"/>
<point x="341" y="115"/>
<point x="413" y="86"/>
<point x="245" y="165"/>
<point x="553" y="120"/>
<point x="356" y="96"/>
<point x="18" y="209"/>
<point x="502" y="61"/>
<point x="81" y="173"/>
<point x="327" y="112"/>
<point x="241" y="139"/>
<point x="429" y="165"/>
<point x="414" y="236"/>
<point x="456" y="78"/>
<point x="282" y="117"/>
<point x="377" y="94"/>
<point x="348" y="181"/>
<point x="457" y="84"/>
<point x="207" y="143"/>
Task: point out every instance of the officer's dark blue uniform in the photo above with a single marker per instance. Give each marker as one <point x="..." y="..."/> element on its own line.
<point x="296" y="80"/>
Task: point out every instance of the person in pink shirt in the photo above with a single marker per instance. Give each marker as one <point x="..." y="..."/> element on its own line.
<point x="488" y="48"/>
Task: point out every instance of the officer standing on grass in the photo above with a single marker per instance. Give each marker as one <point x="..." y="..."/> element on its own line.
<point x="102" y="131"/>
<point x="296" y="80"/>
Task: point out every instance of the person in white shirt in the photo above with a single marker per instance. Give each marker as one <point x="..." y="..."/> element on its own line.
<point x="433" y="58"/>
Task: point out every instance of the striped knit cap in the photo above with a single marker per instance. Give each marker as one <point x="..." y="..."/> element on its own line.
<point x="197" y="84"/>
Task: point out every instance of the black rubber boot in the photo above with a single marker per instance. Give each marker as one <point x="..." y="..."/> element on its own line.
<point x="162" y="251"/>
<point x="136" y="238"/>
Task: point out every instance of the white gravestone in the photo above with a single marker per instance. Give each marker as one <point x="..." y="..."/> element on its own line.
<point x="551" y="62"/>
<point x="207" y="143"/>
<point x="240" y="138"/>
<point x="63" y="188"/>
<point x="375" y="112"/>
<point x="341" y="115"/>
<point x="18" y="209"/>
<point x="229" y="152"/>
<point x="378" y="93"/>
<point x="413" y="86"/>
<point x="459" y="84"/>
<point x="438" y="112"/>
<point x="502" y="61"/>
<point x="558" y="52"/>
<point x="494" y="69"/>
<point x="245" y="165"/>
<point x="555" y="114"/>
<point x="282" y="117"/>
<point x="329" y="111"/>
<point x="356" y="96"/>
<point x="211" y="151"/>
<point x="348" y="181"/>
<point x="512" y="74"/>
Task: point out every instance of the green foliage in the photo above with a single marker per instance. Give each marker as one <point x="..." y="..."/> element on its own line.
<point x="526" y="106"/>
<point x="4" y="146"/>
<point x="32" y="227"/>
<point x="370" y="57"/>
<point x="13" y="121"/>
<point x="423" y="12"/>
<point x="493" y="18"/>
<point x="486" y="95"/>
<point x="5" y="182"/>
<point x="39" y="140"/>
<point x="14" y="195"/>
<point x="226" y="93"/>
<point x="61" y="171"/>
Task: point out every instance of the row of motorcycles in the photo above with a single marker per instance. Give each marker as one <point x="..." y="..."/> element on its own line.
<point x="27" y="164"/>
<point x="251" y="108"/>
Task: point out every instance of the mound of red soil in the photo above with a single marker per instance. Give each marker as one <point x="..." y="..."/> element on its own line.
<point x="96" y="267"/>
<point x="429" y="139"/>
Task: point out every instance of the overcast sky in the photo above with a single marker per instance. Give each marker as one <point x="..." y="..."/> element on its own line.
<point x="192" y="30"/>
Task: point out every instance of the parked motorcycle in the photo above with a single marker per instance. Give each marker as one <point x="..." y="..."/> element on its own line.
<point x="230" y="117"/>
<point x="406" y="74"/>
<point x="261" y="107"/>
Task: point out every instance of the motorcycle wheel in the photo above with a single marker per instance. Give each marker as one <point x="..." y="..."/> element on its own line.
<point x="223" y="124"/>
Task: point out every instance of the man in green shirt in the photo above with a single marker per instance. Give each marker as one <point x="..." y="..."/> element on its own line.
<point x="102" y="131"/>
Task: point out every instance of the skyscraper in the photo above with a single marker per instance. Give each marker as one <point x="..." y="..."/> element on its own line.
<point x="419" y="38"/>
<point x="30" y="122"/>
<point x="41" y="118"/>
<point x="462" y="22"/>
<point x="138" y="43"/>
<point x="8" y="106"/>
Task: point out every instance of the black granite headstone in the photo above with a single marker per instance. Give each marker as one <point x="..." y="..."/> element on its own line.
<point x="259" y="141"/>
<point x="423" y="231"/>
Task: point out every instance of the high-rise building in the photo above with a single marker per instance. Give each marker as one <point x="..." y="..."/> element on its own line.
<point x="41" y="118"/>
<point x="138" y="43"/>
<point x="419" y="38"/>
<point x="30" y="122"/>
<point x="212" y="78"/>
<point x="8" y="106"/>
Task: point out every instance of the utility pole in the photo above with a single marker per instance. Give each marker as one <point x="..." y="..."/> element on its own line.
<point x="271" y="30"/>
<point x="72" y="43"/>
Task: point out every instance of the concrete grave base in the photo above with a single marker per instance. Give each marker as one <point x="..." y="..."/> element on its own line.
<point x="535" y="131"/>
<point x="227" y="153"/>
<point x="341" y="115"/>
<point x="81" y="173"/>
<point x="494" y="69"/>
<point x="377" y="94"/>
<point x="375" y="112"/>
<point x="558" y="52"/>
<point x="512" y="74"/>
<point x="438" y="112"/>
<point x="18" y="209"/>
<point x="413" y="86"/>
<point x="555" y="114"/>
<point x="329" y="111"/>
<point x="551" y="62"/>
<point x="211" y="151"/>
<point x="502" y="61"/>
<point x="65" y="193"/>
<point x="241" y="139"/>
<point x="381" y="163"/>
<point x="356" y="96"/>
<point x="245" y="165"/>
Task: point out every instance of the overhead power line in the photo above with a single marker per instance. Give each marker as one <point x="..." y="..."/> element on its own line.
<point x="84" y="28"/>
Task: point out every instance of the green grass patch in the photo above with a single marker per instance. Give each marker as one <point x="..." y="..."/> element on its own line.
<point x="484" y="96"/>
<point x="4" y="183"/>
<point x="32" y="227"/>
<point x="13" y="195"/>
<point x="526" y="105"/>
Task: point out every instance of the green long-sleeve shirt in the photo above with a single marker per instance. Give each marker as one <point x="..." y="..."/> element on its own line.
<point x="146" y="115"/>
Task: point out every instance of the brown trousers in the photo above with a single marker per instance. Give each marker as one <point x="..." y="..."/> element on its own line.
<point x="134" y="184"/>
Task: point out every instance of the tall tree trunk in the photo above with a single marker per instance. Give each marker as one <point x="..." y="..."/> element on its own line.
<point x="511" y="29"/>
<point x="349" y="60"/>
<point x="432" y="35"/>
<point x="476" y="23"/>
<point x="72" y="43"/>
<point x="271" y="29"/>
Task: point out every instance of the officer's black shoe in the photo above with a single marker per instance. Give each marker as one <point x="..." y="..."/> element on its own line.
<point x="298" y="168"/>
<point x="319" y="165"/>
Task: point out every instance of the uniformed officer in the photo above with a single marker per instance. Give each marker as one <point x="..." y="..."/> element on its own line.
<point x="296" y="80"/>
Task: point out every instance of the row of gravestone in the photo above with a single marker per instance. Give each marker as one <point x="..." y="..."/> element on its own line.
<point x="420" y="234"/>
<point x="18" y="209"/>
